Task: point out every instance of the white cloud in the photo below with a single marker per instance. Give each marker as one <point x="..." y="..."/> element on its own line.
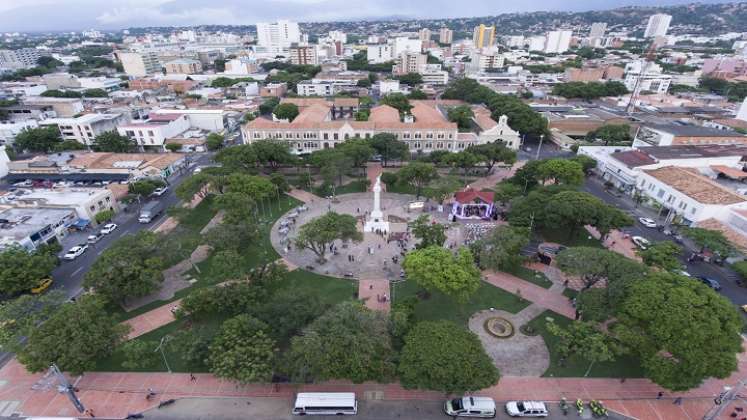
<point x="154" y="16"/>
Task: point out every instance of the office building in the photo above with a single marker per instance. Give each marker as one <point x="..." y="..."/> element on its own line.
<point x="558" y="42"/>
<point x="401" y="45"/>
<point x="424" y="35"/>
<point x="485" y="60"/>
<point x="303" y="54"/>
<point x="598" y="30"/>
<point x="409" y="62"/>
<point x="379" y="53"/>
<point x="658" y="25"/>
<point x="483" y="36"/>
<point x="537" y="43"/>
<point x="278" y="36"/>
<point x="515" y="41"/>
<point x="139" y="64"/>
<point x="183" y="66"/>
<point x="22" y="58"/>
<point x="85" y="128"/>
<point x="445" y="36"/>
<point x="338" y="36"/>
<point x="433" y="74"/>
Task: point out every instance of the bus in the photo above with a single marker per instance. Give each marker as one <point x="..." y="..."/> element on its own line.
<point x="325" y="403"/>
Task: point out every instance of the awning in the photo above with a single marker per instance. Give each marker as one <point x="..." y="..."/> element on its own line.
<point x="81" y="224"/>
<point x="729" y="172"/>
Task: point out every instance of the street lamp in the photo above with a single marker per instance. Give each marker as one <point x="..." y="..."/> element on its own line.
<point x="542" y="136"/>
<point x="165" y="339"/>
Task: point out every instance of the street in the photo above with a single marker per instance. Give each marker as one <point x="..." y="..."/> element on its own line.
<point x="280" y="409"/>
<point x="725" y="276"/>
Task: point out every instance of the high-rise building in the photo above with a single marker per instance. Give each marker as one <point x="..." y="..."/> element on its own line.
<point x="379" y="53"/>
<point x="597" y="30"/>
<point x="338" y="36"/>
<point x="279" y="35"/>
<point x="303" y="54"/>
<point x="484" y="36"/>
<point x="18" y="59"/>
<point x="139" y="64"/>
<point x="558" y="42"/>
<point x="658" y="25"/>
<point x="424" y="35"/>
<point x="409" y="62"/>
<point x="514" y="41"/>
<point x="402" y="44"/>
<point x="484" y="60"/>
<point x="537" y="43"/>
<point x="445" y="36"/>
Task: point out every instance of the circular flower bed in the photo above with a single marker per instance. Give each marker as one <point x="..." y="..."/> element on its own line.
<point x="499" y="327"/>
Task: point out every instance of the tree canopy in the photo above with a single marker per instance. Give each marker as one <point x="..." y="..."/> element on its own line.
<point x="41" y="139"/>
<point x="320" y="232"/>
<point x="19" y="317"/>
<point x="611" y="134"/>
<point x="388" y="147"/>
<point x="286" y="111"/>
<point x="712" y="240"/>
<point x="111" y="141"/>
<point x="349" y="341"/>
<point x="493" y="153"/>
<point x="429" y="233"/>
<point x="21" y="270"/>
<point x="397" y="101"/>
<point x="436" y="268"/>
<point x="440" y="355"/>
<point x="589" y="90"/>
<point x="462" y="115"/>
<point x="663" y="255"/>
<point x="242" y="351"/>
<point x="500" y="249"/>
<point x="418" y="174"/>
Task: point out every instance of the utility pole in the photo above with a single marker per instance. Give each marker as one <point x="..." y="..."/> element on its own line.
<point x="539" y="149"/>
<point x="165" y="339"/>
<point x="723" y="400"/>
<point x="64" y="387"/>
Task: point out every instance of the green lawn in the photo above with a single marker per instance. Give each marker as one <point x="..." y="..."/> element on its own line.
<point x="401" y="188"/>
<point x="623" y="367"/>
<point x="359" y="185"/>
<point x="561" y="236"/>
<point x="532" y="276"/>
<point x="439" y="306"/>
<point x="570" y="293"/>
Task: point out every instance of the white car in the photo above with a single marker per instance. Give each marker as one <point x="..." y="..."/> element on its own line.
<point x="108" y="228"/>
<point x="645" y="221"/>
<point x="75" y="252"/>
<point x="526" y="409"/>
<point x="160" y="191"/>
<point x="478" y="407"/>
<point x="641" y="242"/>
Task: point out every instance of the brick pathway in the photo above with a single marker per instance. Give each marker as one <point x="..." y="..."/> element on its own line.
<point x="371" y="291"/>
<point x="304" y="196"/>
<point x="498" y="175"/>
<point x="151" y="320"/>
<point x="545" y="298"/>
<point x="616" y="241"/>
<point x="115" y="395"/>
<point x="373" y="170"/>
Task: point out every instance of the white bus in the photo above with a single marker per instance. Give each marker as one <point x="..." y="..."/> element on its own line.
<point x="325" y="403"/>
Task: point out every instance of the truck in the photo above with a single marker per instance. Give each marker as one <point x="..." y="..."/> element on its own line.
<point x="150" y="211"/>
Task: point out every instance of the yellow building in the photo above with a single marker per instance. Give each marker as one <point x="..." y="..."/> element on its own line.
<point x="484" y="36"/>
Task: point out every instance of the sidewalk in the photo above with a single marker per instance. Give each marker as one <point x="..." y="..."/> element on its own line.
<point x="304" y="196"/>
<point x="545" y="298"/>
<point x="151" y="320"/>
<point x="373" y="292"/>
<point x="373" y="170"/>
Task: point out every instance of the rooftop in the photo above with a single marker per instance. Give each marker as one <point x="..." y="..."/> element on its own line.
<point x="695" y="151"/>
<point x="23" y="222"/>
<point x="698" y="187"/>
<point x="102" y="160"/>
<point x="633" y="158"/>
<point x="693" y="130"/>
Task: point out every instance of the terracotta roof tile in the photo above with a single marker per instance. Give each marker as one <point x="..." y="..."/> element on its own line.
<point x="698" y="187"/>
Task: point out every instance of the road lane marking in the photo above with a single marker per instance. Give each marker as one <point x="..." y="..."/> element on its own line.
<point x="76" y="271"/>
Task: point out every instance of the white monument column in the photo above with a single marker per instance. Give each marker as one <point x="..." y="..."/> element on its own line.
<point x="376" y="219"/>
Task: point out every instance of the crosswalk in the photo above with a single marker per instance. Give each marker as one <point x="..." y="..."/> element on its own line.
<point x="8" y="408"/>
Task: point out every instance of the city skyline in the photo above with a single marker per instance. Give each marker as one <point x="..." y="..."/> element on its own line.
<point x="68" y="15"/>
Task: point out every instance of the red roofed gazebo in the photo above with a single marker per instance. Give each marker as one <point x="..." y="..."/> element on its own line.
<point x="471" y="204"/>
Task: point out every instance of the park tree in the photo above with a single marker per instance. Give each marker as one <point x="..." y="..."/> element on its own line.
<point x="587" y="163"/>
<point x="462" y="116"/>
<point x="561" y="171"/>
<point x="21" y="270"/>
<point x="429" y="232"/>
<point x="130" y="268"/>
<point x="333" y="164"/>
<point x="506" y="191"/>
<point x="273" y="153"/>
<point x="242" y="158"/>
<point x="288" y="313"/>
<point x="214" y="141"/>
<point x="73" y="346"/>
<point x="584" y="340"/>
<point x="242" y="351"/>
<point x="442" y="188"/>
<point x="662" y="255"/>
<point x="611" y="134"/>
<point x="200" y="183"/>
<point x="286" y="111"/>
<point x="433" y="350"/>
<point x="712" y="240"/>
<point x="436" y="268"/>
<point x="111" y="141"/>
<point x="139" y="354"/>
<point x="595" y="264"/>
<point x="349" y="341"/>
<point x="388" y="147"/>
<point x="683" y="331"/>
<point x="464" y="160"/>
<point x="418" y="175"/>
<point x="320" y="232"/>
<point x="397" y="101"/>
<point x="268" y="106"/>
<point x="144" y="187"/>
<point x="500" y="249"/>
<point x="593" y="305"/>
<point x="41" y="139"/>
<point x="493" y="153"/>
<point x="575" y="209"/>
<point x="20" y="316"/>
<point x="417" y="94"/>
<point x="358" y="150"/>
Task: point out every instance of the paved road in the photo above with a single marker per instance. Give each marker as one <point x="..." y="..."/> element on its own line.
<point x="279" y="409"/>
<point x="724" y="275"/>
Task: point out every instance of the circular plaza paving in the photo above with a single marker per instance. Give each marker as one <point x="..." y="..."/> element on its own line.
<point x="517" y="355"/>
<point x="370" y="258"/>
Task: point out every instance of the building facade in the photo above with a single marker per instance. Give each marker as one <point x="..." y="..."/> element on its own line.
<point x="658" y="25"/>
<point x="303" y="54"/>
<point x="183" y="66"/>
<point x="445" y="36"/>
<point x="139" y="64"/>
<point x="85" y="128"/>
<point x="483" y="36"/>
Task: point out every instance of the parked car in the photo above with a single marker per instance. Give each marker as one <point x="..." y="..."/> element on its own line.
<point x="43" y="285"/>
<point x="641" y="242"/>
<point x="645" y="221"/>
<point x="75" y="252"/>
<point x="476" y="407"/>
<point x="92" y="239"/>
<point x="109" y="228"/>
<point x="526" y="409"/>
<point x="160" y="191"/>
<point x="712" y="283"/>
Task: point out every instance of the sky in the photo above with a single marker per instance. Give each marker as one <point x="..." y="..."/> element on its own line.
<point x="65" y="15"/>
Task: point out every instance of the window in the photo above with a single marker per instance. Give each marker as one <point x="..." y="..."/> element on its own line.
<point x="660" y="194"/>
<point x="429" y="136"/>
<point x="325" y="136"/>
<point x="418" y="135"/>
<point x="335" y="136"/>
<point x="150" y="133"/>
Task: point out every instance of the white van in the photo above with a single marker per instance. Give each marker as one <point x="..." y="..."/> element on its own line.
<point x="325" y="403"/>
<point x="526" y="409"/>
<point x="479" y="407"/>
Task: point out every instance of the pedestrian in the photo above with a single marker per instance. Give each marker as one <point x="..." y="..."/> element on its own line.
<point x="370" y="286"/>
<point x="678" y="401"/>
<point x="659" y="395"/>
<point x="192" y="377"/>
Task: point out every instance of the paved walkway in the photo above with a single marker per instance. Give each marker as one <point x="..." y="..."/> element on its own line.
<point x="545" y="298"/>
<point x="373" y="170"/>
<point x="151" y="320"/>
<point x="498" y="175"/>
<point x="375" y="293"/>
<point x="304" y="196"/>
<point x="115" y="395"/>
